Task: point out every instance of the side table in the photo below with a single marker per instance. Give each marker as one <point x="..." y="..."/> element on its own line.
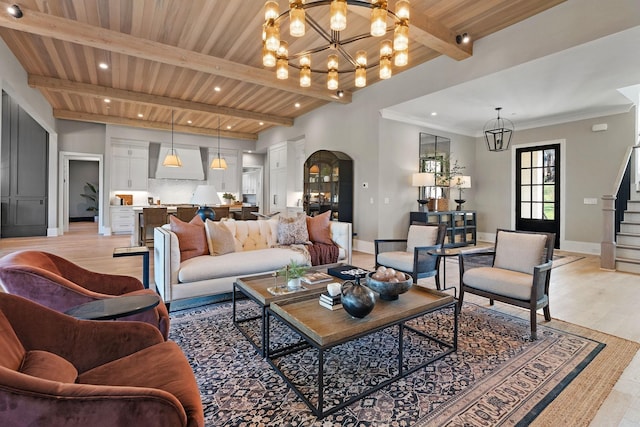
<point x="445" y="253"/>
<point x="137" y="251"/>
<point x="114" y="308"/>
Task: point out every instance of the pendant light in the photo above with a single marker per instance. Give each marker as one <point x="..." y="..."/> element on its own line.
<point x="218" y="163"/>
<point x="172" y="160"/>
<point x="498" y="133"/>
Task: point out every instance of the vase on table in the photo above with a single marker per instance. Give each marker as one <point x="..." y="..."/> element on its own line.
<point x="357" y="300"/>
<point x="293" y="284"/>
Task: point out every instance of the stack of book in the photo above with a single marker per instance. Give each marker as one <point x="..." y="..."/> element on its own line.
<point x="332" y="303"/>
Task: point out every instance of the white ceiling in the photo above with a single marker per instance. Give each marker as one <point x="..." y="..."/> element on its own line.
<point x="574" y="84"/>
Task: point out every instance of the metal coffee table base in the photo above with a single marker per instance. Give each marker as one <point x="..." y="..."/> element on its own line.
<point x="318" y="410"/>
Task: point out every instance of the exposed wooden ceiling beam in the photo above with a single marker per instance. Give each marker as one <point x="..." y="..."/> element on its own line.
<point x="43" y="24"/>
<point x="58" y="85"/>
<point x="112" y="120"/>
<point x="431" y="33"/>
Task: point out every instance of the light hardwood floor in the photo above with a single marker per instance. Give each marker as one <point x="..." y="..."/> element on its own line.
<point x="580" y="293"/>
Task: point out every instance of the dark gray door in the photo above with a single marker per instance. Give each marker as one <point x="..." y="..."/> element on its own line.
<point x="538" y="189"/>
<point x="24" y="173"/>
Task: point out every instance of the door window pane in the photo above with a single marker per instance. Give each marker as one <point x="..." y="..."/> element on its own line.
<point x="525" y="210"/>
<point x="525" y="159"/>
<point x="549" y="211"/>
<point x="525" y="176"/>
<point x="536" y="158"/>
<point x="536" y="193"/>
<point x="536" y="176"/>
<point x="549" y="193"/>
<point x="525" y="194"/>
<point x="536" y="210"/>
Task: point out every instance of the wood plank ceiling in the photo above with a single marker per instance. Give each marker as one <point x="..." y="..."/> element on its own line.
<point x="166" y="55"/>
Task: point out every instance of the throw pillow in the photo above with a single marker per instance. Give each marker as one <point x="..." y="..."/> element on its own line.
<point x="319" y="228"/>
<point x="292" y="231"/>
<point x="219" y="238"/>
<point x="421" y="235"/>
<point x="191" y="237"/>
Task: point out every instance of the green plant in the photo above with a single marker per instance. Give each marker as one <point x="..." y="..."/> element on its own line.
<point x="92" y="197"/>
<point x="228" y="196"/>
<point x="293" y="270"/>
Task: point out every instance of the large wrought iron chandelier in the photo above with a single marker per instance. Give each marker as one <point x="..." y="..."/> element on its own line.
<point x="275" y="50"/>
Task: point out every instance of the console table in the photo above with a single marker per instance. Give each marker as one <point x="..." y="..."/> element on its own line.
<point x="461" y="225"/>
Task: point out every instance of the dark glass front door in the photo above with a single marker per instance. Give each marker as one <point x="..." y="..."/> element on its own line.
<point x="538" y="189"/>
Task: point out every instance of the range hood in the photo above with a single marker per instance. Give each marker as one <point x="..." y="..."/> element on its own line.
<point x="191" y="163"/>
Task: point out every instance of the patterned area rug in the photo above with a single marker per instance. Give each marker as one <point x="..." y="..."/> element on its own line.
<point x="496" y="377"/>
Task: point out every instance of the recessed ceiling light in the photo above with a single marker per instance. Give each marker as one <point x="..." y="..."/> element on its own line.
<point x="103" y="66"/>
<point x="261" y="123"/>
<point x="189" y="121"/>
<point x="228" y="126"/>
<point x="297" y="105"/>
<point x="434" y="113"/>
<point x="107" y="100"/>
<point x="140" y="115"/>
<point x="217" y="89"/>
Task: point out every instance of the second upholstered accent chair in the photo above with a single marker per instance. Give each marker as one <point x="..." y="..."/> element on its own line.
<point x="410" y="255"/>
<point x="59" y="371"/>
<point x="59" y="284"/>
<point x="519" y="274"/>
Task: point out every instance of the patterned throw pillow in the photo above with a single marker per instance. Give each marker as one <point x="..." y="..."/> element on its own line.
<point x="293" y="231"/>
<point x="191" y="237"/>
<point x="319" y="228"/>
<point x="219" y="238"/>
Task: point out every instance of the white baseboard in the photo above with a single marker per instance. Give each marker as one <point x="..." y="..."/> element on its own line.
<point x="53" y="232"/>
<point x="364" y="246"/>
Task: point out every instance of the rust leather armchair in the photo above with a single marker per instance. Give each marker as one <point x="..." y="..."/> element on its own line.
<point x="59" y="284"/>
<point x="56" y="370"/>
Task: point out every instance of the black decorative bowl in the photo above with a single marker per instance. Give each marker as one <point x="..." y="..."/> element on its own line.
<point x="389" y="291"/>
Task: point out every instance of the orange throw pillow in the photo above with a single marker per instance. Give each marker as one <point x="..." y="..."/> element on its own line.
<point x="192" y="238"/>
<point x="318" y="227"/>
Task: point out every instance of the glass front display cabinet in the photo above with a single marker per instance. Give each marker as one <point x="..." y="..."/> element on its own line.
<point x="328" y="185"/>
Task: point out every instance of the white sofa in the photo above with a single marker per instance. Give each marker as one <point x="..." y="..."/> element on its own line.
<point x="255" y="253"/>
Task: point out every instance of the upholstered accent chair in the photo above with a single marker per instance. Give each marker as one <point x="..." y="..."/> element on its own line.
<point x="59" y="284"/>
<point x="59" y="371"/>
<point x="410" y="255"/>
<point x="519" y="275"/>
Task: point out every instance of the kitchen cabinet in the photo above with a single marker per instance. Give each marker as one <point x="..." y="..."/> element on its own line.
<point x="250" y="182"/>
<point x="226" y="180"/>
<point x="286" y="162"/>
<point x="121" y="219"/>
<point x="129" y="167"/>
<point x="328" y="185"/>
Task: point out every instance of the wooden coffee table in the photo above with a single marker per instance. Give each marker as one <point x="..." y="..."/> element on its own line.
<point x="256" y="288"/>
<point x="324" y="329"/>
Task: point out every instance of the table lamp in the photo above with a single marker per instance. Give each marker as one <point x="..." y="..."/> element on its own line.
<point x="205" y="196"/>
<point x="460" y="182"/>
<point x="422" y="180"/>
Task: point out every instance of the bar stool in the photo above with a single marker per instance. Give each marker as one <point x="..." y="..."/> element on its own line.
<point x="186" y="213"/>
<point x="151" y="218"/>
<point x="221" y="212"/>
